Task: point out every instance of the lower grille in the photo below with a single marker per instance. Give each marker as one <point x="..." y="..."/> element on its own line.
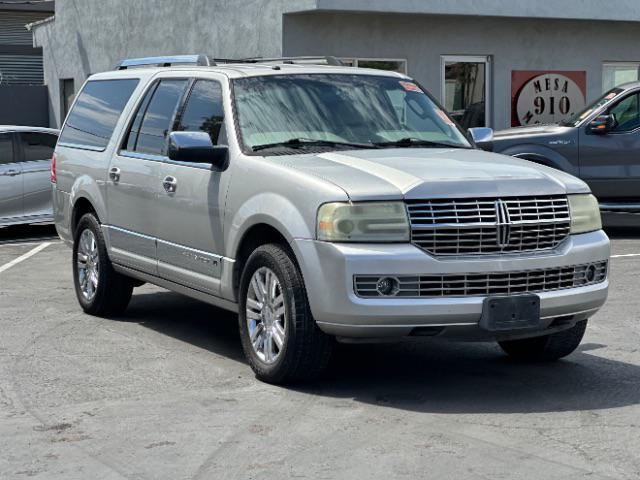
<point x="482" y="284"/>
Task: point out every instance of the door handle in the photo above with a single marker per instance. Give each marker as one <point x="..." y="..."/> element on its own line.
<point x="170" y="184"/>
<point x="114" y="174"/>
<point x="10" y="173"/>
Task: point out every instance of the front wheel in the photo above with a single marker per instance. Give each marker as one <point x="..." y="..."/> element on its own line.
<point x="548" y="347"/>
<point x="279" y="336"/>
<point x="100" y="289"/>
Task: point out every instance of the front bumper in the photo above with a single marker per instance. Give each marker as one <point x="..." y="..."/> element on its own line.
<point x="329" y="268"/>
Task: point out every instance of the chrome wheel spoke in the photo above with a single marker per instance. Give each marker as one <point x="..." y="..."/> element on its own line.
<point x="87" y="263"/>
<point x="278" y="335"/>
<point x="266" y="315"/>
<point x="258" y="330"/>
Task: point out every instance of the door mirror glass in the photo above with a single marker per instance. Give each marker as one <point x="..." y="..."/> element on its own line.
<point x="197" y="147"/>
<point x="603" y="124"/>
<point x="483" y="137"/>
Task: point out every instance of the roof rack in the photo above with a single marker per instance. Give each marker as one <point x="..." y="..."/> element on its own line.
<point x="204" y="61"/>
<point x="310" y="60"/>
<point x="168" y="61"/>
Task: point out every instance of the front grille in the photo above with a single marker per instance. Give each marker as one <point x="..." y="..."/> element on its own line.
<point x="489" y="225"/>
<point x="482" y="284"/>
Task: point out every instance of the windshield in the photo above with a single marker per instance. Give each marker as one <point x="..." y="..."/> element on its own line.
<point x="339" y="111"/>
<point x="576" y="118"/>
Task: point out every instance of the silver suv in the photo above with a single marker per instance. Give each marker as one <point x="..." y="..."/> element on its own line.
<point x="320" y="202"/>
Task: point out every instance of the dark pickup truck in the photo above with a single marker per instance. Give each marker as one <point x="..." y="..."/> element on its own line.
<point x="600" y="144"/>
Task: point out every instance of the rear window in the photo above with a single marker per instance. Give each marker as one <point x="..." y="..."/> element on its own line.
<point x="96" y="112"/>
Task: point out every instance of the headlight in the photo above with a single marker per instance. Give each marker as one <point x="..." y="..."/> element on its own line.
<point x="363" y="222"/>
<point x="585" y="213"/>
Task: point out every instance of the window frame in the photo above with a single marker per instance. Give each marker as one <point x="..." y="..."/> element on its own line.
<point x="488" y="90"/>
<point x="634" y="64"/>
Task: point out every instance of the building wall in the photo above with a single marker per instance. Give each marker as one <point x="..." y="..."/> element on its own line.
<point x="20" y="63"/>
<point x="514" y="44"/>
<point x="90" y="36"/>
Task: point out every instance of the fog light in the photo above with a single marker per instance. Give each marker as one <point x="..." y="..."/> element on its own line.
<point x="387" y="286"/>
<point x="590" y="274"/>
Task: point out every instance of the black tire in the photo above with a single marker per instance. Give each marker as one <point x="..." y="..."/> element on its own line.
<point x="548" y="347"/>
<point x="306" y="349"/>
<point x="113" y="292"/>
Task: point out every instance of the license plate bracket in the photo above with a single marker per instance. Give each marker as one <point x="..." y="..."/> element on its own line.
<point x="510" y="312"/>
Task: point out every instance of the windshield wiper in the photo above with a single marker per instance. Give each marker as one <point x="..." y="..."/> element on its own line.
<point x="409" y="142"/>
<point x="309" y="142"/>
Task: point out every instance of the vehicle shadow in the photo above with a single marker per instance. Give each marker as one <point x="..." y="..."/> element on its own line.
<point x="426" y="376"/>
<point x="25" y="233"/>
<point x="623" y="233"/>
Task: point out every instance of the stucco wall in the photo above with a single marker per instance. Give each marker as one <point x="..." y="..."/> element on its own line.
<point x="90" y="36"/>
<point x="515" y="44"/>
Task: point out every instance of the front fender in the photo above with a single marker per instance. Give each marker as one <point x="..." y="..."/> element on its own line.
<point x="271" y="209"/>
<point x="541" y="154"/>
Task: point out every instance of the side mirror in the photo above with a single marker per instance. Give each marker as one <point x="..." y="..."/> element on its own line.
<point x="483" y="137"/>
<point x="196" y="147"/>
<point x="603" y="124"/>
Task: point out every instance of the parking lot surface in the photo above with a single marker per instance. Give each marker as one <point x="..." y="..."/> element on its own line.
<point x="164" y="392"/>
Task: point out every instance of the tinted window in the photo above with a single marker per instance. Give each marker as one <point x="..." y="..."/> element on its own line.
<point x="96" y="112"/>
<point x="627" y="113"/>
<point x="6" y="148"/>
<point x="37" y="146"/>
<point x="204" y="111"/>
<point x="157" y="119"/>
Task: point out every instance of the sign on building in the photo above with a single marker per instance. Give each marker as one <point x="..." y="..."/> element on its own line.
<point x="546" y="96"/>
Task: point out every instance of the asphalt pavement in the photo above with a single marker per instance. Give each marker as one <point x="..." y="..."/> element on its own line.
<point x="164" y="393"/>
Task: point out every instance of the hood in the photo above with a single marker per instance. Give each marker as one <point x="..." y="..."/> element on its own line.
<point x="432" y="173"/>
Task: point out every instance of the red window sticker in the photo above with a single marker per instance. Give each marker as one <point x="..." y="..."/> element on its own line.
<point x="411" y="87"/>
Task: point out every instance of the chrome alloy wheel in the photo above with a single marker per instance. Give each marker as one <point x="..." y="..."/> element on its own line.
<point x="87" y="264"/>
<point x="266" y="315"/>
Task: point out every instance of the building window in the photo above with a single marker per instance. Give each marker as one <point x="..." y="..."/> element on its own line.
<point x="617" y="73"/>
<point x="393" y="65"/>
<point x="465" y="89"/>
<point x="67" y="94"/>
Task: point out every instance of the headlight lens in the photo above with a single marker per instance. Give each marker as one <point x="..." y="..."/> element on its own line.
<point x="363" y="222"/>
<point x="585" y="213"/>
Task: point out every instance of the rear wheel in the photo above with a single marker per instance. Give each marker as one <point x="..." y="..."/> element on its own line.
<point x="100" y="289"/>
<point x="279" y="336"/>
<point x="548" y="347"/>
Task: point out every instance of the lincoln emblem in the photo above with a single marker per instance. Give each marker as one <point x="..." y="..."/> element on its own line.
<point x="503" y="224"/>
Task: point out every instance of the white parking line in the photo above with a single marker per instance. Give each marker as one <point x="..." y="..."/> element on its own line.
<point x="626" y="255"/>
<point x="22" y="258"/>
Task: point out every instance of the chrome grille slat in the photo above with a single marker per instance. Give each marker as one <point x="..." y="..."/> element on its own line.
<point x="482" y="284"/>
<point x="473" y="227"/>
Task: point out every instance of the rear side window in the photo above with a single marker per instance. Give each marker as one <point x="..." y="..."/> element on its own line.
<point x="154" y="118"/>
<point x="6" y="148"/>
<point x="96" y="112"/>
<point x="37" y="145"/>
<point x="203" y="111"/>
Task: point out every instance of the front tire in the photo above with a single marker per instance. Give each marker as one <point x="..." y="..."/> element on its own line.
<point x="548" y="347"/>
<point x="279" y="336"/>
<point x="101" y="291"/>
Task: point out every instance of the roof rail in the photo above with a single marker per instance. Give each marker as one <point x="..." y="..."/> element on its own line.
<point x="310" y="60"/>
<point x="168" y="61"/>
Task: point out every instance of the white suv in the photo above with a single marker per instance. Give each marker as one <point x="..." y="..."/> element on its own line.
<point x="319" y="202"/>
